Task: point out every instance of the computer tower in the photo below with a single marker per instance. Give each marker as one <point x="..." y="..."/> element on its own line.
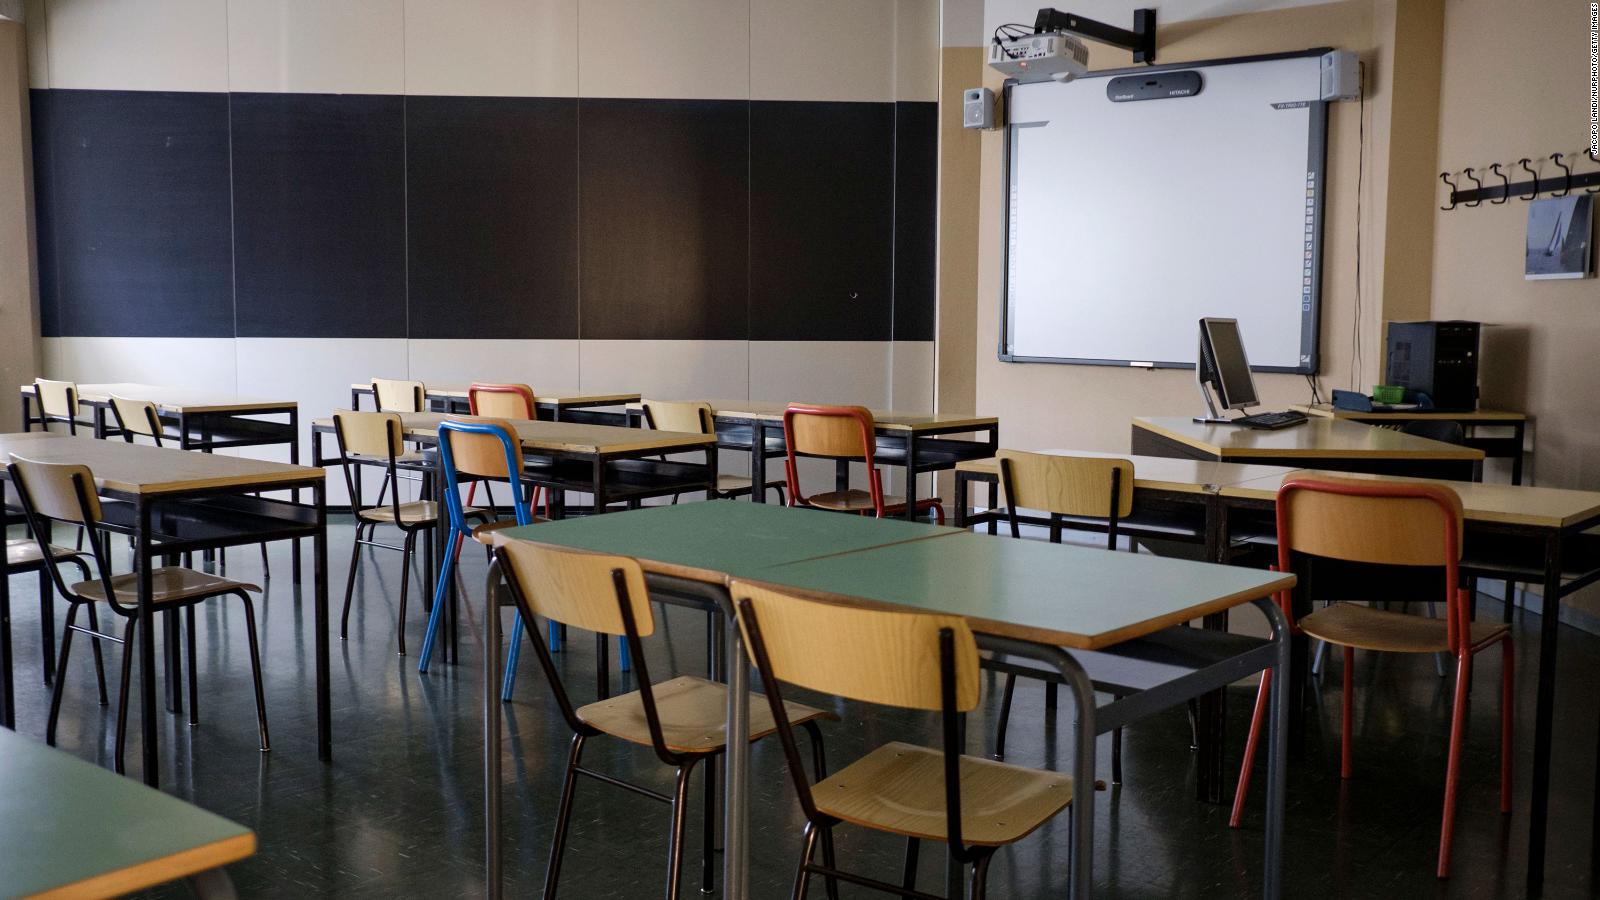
<point x="1439" y="359"/>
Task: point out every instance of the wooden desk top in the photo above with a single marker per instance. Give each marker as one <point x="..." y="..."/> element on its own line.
<point x="708" y="541"/>
<point x="1481" y="416"/>
<point x="69" y="828"/>
<point x="1058" y="594"/>
<point x="572" y="397"/>
<point x="1319" y="438"/>
<point x="174" y="399"/>
<point x="885" y="420"/>
<point x="143" y="470"/>
<point x="565" y="437"/>
<point x="1509" y="504"/>
<point x="1160" y="473"/>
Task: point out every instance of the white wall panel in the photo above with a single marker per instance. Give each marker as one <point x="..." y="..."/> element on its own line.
<point x="138" y="45"/>
<point x="822" y="50"/>
<point x="911" y="376"/>
<point x="317" y="46"/>
<point x="543" y="365"/>
<point x="492" y="48"/>
<point x="848" y="372"/>
<point x="197" y="363"/>
<point x="664" y="48"/>
<point x="670" y="370"/>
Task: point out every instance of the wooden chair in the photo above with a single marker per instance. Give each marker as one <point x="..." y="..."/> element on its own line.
<point x="57" y="402"/>
<point x="682" y="720"/>
<point x="55" y="492"/>
<point x="841" y="433"/>
<point x="398" y="395"/>
<point x="698" y="418"/>
<point x="24" y="555"/>
<point x="366" y="438"/>
<point x="911" y="661"/>
<point x="140" y="417"/>
<point x="504" y="401"/>
<point x="1389" y="524"/>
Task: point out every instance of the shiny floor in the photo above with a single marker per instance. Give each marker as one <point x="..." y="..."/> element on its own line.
<point x="399" y="811"/>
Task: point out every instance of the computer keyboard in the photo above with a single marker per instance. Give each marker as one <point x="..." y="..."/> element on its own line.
<point x="1272" y="420"/>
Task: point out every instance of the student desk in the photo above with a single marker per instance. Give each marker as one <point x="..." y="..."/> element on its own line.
<point x="1539" y="532"/>
<point x="189" y="502"/>
<point x="71" y="828"/>
<point x="203" y="420"/>
<point x="1023" y="598"/>
<point x="559" y="406"/>
<point x="916" y="442"/>
<point x="1321" y="443"/>
<point x="1494" y="447"/>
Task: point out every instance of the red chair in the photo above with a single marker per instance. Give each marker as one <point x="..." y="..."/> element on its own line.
<point x="1393" y="524"/>
<point x="841" y="433"/>
<point x="504" y="401"/>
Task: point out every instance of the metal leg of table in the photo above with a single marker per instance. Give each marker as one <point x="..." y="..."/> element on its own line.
<point x="758" y="462"/>
<point x="958" y="516"/>
<point x="493" y="874"/>
<point x="1544" y="715"/>
<point x="1278" y="757"/>
<point x="148" y="710"/>
<point x="319" y="589"/>
<point x="911" y="476"/>
<point x="736" y="811"/>
<point x="8" y="701"/>
<point x="1519" y="432"/>
<point x="294" y="459"/>
<point x="213" y="884"/>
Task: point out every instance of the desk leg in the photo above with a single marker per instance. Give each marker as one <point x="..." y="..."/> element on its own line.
<point x="493" y="875"/>
<point x="1519" y="432"/>
<point x="1278" y="755"/>
<point x="148" y="711"/>
<point x="911" y="476"/>
<point x="735" y="860"/>
<point x="8" y="701"/>
<point x="758" y="462"/>
<point x="27" y="412"/>
<point x="212" y="885"/>
<point x="294" y="459"/>
<point x="841" y="476"/>
<point x="319" y="581"/>
<point x="1544" y="715"/>
<point x="1211" y="717"/>
<point x="958" y="516"/>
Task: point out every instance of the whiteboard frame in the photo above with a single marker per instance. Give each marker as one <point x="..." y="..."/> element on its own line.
<point x="1317" y="164"/>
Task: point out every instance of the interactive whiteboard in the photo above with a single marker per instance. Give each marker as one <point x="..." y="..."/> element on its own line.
<point x="1126" y="222"/>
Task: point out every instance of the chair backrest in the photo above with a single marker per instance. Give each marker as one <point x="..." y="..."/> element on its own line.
<point x="834" y="432"/>
<point x="375" y="434"/>
<point x="61" y="491"/>
<point x="502" y="401"/>
<point x="578" y="588"/>
<point x="686" y="416"/>
<point x="57" y="400"/>
<point x="1448" y="431"/>
<point x="393" y="395"/>
<point x="1068" y="485"/>
<point x="137" y="417"/>
<point x="875" y="656"/>
<point x="481" y="448"/>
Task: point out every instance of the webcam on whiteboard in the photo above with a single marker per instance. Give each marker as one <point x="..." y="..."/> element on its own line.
<point x="1054" y="49"/>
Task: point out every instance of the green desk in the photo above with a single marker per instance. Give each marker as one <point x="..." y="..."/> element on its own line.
<point x="687" y="551"/>
<point x="72" y="829"/>
<point x="1025" y="599"/>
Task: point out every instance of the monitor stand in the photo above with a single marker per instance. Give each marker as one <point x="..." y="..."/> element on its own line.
<point x="1214" y="418"/>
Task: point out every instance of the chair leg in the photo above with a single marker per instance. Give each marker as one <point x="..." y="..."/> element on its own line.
<point x="1345" y="754"/>
<point x="255" y="670"/>
<point x="1452" y="777"/>
<point x="819" y="772"/>
<point x="194" y="681"/>
<point x="447" y="567"/>
<point x="802" y="878"/>
<point x="1508" y="693"/>
<point x="405" y="590"/>
<point x="513" y="656"/>
<point x="47" y="622"/>
<point x="708" y="830"/>
<point x="1005" y="716"/>
<point x="122" y="696"/>
<point x="1510" y="605"/>
<point x="980" y="876"/>
<point x="60" y="677"/>
<point x="908" y="869"/>
<point x="1250" y="744"/>
<point x="1116" y="756"/>
<point x="1438" y="658"/>
<point x="680" y="812"/>
<point x="1317" y="657"/>
<point x="99" y="661"/>
<point x="266" y="566"/>
<point x="558" y="844"/>
<point x="350" y="585"/>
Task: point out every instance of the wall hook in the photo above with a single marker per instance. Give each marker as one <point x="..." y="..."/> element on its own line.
<point x="1505" y="188"/>
<point x="1523" y="162"/>
<point x="1595" y="159"/>
<point x="1445" y="177"/>
<point x="1476" y="186"/>
<point x="1566" y="174"/>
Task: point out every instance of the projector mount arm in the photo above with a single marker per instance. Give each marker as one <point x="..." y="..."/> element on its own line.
<point x="1141" y="40"/>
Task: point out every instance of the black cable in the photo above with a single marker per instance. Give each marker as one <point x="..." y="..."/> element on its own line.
<point x="1014" y="30"/>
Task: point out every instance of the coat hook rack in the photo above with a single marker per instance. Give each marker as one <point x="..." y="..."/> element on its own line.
<point x="1531" y="187"/>
<point x="1593" y="159"/>
<point x="1505" y="185"/>
<point x="1477" y="187"/>
<point x="1534" y="192"/>
<point x="1566" y="180"/>
<point x="1445" y="177"/>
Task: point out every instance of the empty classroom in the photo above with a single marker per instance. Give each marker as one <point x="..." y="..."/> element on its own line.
<point x="754" y="449"/>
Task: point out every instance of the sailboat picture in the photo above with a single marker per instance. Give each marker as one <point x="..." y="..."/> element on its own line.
<point x="1560" y="237"/>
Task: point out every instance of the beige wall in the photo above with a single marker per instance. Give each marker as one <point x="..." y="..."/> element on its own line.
<point x="960" y="163"/>
<point x="1088" y="407"/>
<point x="19" y="295"/>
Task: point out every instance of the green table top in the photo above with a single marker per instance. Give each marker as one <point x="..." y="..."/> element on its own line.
<point x="705" y="541"/>
<point x="68" y="825"/>
<point x="1078" y="597"/>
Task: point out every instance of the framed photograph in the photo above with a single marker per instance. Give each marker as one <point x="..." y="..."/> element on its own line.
<point x="1560" y="237"/>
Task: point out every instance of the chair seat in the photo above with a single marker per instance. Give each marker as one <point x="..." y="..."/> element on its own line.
<point x="854" y="500"/>
<point x="416" y="512"/>
<point x="899" y="788"/>
<point x="484" y="534"/>
<point x="693" y="715"/>
<point x="23" y="553"/>
<point x="169" y="584"/>
<point x="410" y="457"/>
<point x="740" y="484"/>
<point x="1366" y="628"/>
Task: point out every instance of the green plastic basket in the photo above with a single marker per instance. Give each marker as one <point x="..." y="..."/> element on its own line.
<point x="1388" y="393"/>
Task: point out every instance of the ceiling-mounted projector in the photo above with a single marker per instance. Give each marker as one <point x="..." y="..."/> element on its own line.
<point x="1040" y="57"/>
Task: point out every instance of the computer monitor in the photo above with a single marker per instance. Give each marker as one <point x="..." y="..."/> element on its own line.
<point x="1224" y="367"/>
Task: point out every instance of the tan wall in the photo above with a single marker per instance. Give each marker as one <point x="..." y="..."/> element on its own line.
<point x="19" y="294"/>
<point x="1088" y="407"/>
<point x="960" y="164"/>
